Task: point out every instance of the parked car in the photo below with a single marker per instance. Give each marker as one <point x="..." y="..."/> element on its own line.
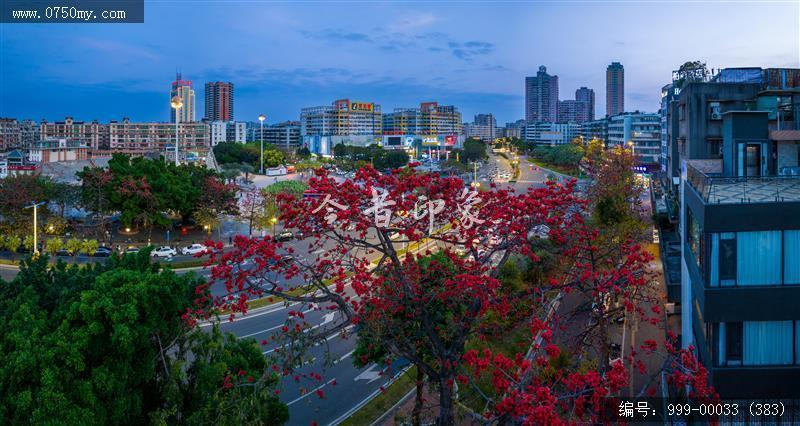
<point x="102" y="252"/>
<point x="164" y="251"/>
<point x="193" y="249"/>
<point x="63" y="252"/>
<point x="284" y="236"/>
<point x="132" y="249"/>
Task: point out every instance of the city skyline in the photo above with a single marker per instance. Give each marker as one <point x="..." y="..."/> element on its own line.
<point x="285" y="58"/>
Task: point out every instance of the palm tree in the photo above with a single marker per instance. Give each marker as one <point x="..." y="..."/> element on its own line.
<point x="230" y="172"/>
<point x="246" y="169"/>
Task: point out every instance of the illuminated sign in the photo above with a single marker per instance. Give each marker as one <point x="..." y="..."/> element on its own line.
<point x="181" y="83"/>
<point x="361" y="106"/>
<point x="430" y="140"/>
<point x="409" y="140"/>
<point x="450" y="140"/>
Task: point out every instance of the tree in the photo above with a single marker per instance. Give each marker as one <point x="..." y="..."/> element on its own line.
<point x="474" y="150"/>
<point x="27" y="242"/>
<point x="273" y="158"/>
<point x="13" y="243"/>
<point x="54" y="245"/>
<point x="108" y="344"/>
<point x="425" y="307"/>
<point x="73" y="246"/>
<point x="230" y="172"/>
<point x="255" y="210"/>
<point x="303" y="152"/>
<point x="62" y="195"/>
<point x="88" y="247"/>
<point x="18" y="192"/>
<point x="246" y="169"/>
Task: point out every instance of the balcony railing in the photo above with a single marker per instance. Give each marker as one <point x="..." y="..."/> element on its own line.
<point x="743" y="190"/>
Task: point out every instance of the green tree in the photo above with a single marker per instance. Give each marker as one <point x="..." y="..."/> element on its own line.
<point x="54" y="245"/>
<point x="303" y="152"/>
<point x="273" y="158"/>
<point x="27" y="242"/>
<point x="16" y="193"/>
<point x="107" y="344"/>
<point x="89" y="247"/>
<point x="247" y="169"/>
<point x="12" y="243"/>
<point x="474" y="150"/>
<point x="73" y="246"/>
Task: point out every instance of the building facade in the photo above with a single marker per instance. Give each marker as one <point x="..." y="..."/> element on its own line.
<point x="541" y="97"/>
<point x="740" y="228"/>
<point x="57" y="150"/>
<point x="342" y="118"/>
<point x="483" y="127"/>
<point x="92" y="134"/>
<point x="194" y="139"/>
<point x="643" y="130"/>
<point x="183" y="89"/>
<point x="573" y="111"/>
<point x="227" y="131"/>
<point x="286" y="133"/>
<point x="615" y="89"/>
<point x="10" y="134"/>
<point x="585" y="94"/>
<point x="595" y="129"/>
<point x="550" y="133"/>
<point x="429" y="119"/>
<point x="219" y="101"/>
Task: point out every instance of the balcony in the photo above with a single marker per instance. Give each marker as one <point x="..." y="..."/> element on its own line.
<point x="716" y="189"/>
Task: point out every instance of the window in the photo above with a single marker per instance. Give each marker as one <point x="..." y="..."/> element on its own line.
<point x="693" y="235"/>
<point x="791" y="257"/>
<point x="727" y="258"/>
<point x="758" y="257"/>
<point x="733" y="342"/>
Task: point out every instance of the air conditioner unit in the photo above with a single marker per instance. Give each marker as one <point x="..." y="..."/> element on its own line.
<point x="670" y="308"/>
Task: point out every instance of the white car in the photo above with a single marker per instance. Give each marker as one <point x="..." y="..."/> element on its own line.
<point x="193" y="249"/>
<point x="164" y="251"/>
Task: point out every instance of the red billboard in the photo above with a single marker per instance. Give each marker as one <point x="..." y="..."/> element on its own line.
<point x="450" y="140"/>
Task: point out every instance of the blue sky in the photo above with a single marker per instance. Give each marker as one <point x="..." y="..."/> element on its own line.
<point x="282" y="56"/>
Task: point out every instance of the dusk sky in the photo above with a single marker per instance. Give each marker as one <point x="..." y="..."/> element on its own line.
<point x="282" y="56"/>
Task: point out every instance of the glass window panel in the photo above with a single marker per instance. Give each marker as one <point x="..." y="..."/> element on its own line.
<point x="791" y="257"/>
<point x="768" y="342"/>
<point x="758" y="258"/>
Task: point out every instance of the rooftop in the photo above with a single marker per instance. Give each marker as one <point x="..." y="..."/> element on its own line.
<point x="705" y="177"/>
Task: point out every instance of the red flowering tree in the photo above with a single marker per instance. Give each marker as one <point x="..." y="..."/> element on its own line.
<point x="378" y="234"/>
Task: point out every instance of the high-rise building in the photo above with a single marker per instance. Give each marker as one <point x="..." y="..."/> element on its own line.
<point x="227" y="131"/>
<point x="194" y="139"/>
<point x="615" y="89"/>
<point x="541" y="97"/>
<point x="219" y="101"/>
<point x="544" y="133"/>
<point x="573" y="111"/>
<point x="586" y="94"/>
<point x="185" y="90"/>
<point x="286" y="133"/>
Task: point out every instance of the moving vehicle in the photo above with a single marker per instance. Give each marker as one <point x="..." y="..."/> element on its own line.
<point x="102" y="252"/>
<point x="193" y="249"/>
<point x="164" y="251"/>
<point x="284" y="236"/>
<point x="132" y="249"/>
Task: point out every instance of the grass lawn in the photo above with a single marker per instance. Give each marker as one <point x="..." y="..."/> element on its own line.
<point x="384" y="401"/>
<point x="571" y="171"/>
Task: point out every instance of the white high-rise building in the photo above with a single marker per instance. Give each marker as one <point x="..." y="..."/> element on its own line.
<point x="185" y="90"/>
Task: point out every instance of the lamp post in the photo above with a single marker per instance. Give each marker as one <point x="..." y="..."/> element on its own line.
<point x="35" y="225"/>
<point x="633" y="151"/>
<point x="273" y="221"/>
<point x="261" y="119"/>
<point x="176" y="104"/>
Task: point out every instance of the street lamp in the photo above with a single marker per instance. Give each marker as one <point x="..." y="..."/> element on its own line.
<point x="261" y="119"/>
<point x="273" y="221"/>
<point x="35" y="235"/>
<point x="176" y="104"/>
<point x="633" y="150"/>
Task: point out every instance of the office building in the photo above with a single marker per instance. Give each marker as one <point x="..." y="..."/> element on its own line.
<point x="483" y="127"/>
<point x="585" y="94"/>
<point x="285" y="134"/>
<point x="595" y="129"/>
<point x="550" y="133"/>
<point x="219" y="101"/>
<point x="347" y="122"/>
<point x="429" y="119"/>
<point x="739" y="151"/>
<point x="92" y="134"/>
<point x="541" y="97"/>
<point x="184" y="89"/>
<point x="615" y="89"/>
<point x="641" y="129"/>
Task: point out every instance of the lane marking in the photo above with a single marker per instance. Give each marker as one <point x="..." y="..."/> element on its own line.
<point x="312" y="391"/>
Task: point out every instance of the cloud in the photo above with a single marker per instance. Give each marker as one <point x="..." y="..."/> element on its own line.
<point x="470" y="49"/>
<point x="337" y="35"/>
<point x="412" y="22"/>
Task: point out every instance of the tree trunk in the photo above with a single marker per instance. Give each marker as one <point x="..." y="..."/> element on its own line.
<point x="603" y="327"/>
<point x="417" y="412"/>
<point x="446" y="406"/>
